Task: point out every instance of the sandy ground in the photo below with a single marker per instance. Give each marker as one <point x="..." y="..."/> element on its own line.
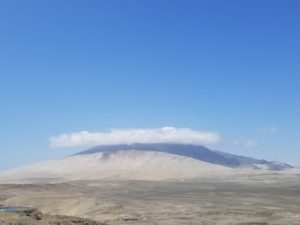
<point x="268" y="199"/>
<point x="129" y="165"/>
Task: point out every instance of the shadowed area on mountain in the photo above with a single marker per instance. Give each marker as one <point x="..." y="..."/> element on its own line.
<point x="193" y="151"/>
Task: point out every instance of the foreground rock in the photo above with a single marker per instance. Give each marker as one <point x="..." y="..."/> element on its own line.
<point x="35" y="217"/>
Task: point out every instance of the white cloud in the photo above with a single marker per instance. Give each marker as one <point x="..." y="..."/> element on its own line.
<point x="246" y="144"/>
<point x="251" y="144"/>
<point x="271" y="129"/>
<point x="130" y="136"/>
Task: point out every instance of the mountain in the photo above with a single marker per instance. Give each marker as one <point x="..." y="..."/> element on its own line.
<point x="140" y="162"/>
<point x="126" y="165"/>
<point x="197" y="152"/>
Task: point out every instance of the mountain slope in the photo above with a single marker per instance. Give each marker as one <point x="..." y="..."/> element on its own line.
<point x="140" y="162"/>
<point x="196" y="152"/>
<point x="129" y="164"/>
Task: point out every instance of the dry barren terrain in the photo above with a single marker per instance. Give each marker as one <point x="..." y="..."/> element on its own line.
<point x="270" y="199"/>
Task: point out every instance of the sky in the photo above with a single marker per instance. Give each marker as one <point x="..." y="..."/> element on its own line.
<point x="92" y="70"/>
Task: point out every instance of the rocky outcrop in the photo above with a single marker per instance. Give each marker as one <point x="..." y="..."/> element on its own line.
<point x="35" y="217"/>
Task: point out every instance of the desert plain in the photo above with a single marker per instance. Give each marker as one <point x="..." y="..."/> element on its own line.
<point x="240" y="199"/>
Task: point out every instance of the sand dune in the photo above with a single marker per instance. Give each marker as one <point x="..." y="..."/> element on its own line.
<point x="131" y="164"/>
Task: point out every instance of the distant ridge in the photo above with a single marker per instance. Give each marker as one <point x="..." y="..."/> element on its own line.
<point x="141" y="162"/>
<point x="193" y="151"/>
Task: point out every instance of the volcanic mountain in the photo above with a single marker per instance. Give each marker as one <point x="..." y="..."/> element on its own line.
<point x="141" y="162"/>
<point x="197" y="152"/>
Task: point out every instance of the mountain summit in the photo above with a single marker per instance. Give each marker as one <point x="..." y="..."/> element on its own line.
<point x="197" y="152"/>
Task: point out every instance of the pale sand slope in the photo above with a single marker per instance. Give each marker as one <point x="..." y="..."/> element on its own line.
<point x="136" y="165"/>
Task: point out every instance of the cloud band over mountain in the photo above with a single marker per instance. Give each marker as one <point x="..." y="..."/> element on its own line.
<point x="130" y="136"/>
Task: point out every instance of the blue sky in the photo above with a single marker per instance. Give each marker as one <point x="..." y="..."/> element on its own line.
<point x="231" y="67"/>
